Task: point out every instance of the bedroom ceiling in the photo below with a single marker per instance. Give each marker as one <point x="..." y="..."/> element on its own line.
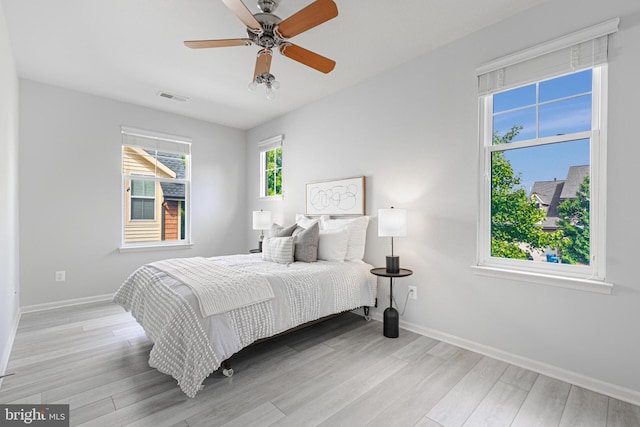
<point x="131" y="50"/>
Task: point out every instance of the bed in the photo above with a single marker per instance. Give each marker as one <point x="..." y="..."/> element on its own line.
<point x="195" y="332"/>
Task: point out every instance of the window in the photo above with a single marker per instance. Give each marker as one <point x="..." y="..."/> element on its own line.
<point x="156" y="177"/>
<point x="542" y="173"/>
<point x="271" y="167"/>
<point x="143" y="200"/>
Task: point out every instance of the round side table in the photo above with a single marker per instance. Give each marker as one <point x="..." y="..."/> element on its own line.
<point x="391" y="318"/>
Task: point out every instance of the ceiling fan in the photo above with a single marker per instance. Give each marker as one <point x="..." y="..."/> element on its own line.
<point x="270" y="32"/>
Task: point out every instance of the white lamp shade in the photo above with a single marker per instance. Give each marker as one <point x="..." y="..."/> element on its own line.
<point x="392" y="222"/>
<point x="261" y="220"/>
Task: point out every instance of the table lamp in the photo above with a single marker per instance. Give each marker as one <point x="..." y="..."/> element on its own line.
<point x="392" y="223"/>
<point x="261" y="221"/>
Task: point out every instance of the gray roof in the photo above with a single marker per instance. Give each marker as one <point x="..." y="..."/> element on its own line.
<point x="575" y="176"/>
<point x="172" y="191"/>
<point x="552" y="193"/>
<point x="545" y="190"/>
<point x="549" y="194"/>
<point x="176" y="164"/>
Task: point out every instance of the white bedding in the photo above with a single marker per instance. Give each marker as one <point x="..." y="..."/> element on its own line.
<point x="232" y="288"/>
<point x="189" y="346"/>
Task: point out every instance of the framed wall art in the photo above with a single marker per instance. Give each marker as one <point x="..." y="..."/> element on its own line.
<point x="336" y="197"/>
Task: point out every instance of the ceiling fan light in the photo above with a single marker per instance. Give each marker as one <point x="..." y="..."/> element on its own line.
<point x="275" y="84"/>
<point x="252" y="86"/>
<point x="270" y="94"/>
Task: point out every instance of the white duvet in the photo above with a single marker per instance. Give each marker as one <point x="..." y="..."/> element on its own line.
<point x="189" y="346"/>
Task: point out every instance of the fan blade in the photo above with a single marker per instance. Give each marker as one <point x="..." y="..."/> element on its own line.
<point x="244" y="14"/>
<point x="308" y="58"/>
<point x="263" y="63"/>
<point x="201" y="44"/>
<point x="311" y="16"/>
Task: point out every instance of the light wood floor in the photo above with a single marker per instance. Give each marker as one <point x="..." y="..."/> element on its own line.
<point x="342" y="372"/>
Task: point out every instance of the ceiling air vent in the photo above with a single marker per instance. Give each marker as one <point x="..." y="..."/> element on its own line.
<point x="172" y="97"/>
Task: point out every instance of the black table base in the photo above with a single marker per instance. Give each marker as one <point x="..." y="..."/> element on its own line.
<point x="391" y="324"/>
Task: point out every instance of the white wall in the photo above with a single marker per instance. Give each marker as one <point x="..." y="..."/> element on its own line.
<point x="9" y="311"/>
<point x="412" y="132"/>
<point x="70" y="191"/>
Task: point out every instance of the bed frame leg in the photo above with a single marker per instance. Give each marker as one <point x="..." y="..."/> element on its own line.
<point x="227" y="370"/>
<point x="366" y="313"/>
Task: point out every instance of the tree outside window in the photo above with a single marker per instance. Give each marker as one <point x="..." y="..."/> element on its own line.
<point x="273" y="171"/>
<point x="271" y="167"/>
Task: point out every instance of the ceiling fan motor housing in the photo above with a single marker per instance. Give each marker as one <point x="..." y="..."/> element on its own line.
<point x="268" y="38"/>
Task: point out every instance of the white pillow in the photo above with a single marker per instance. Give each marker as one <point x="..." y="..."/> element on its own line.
<point x="332" y="244"/>
<point x="306" y="222"/>
<point x="278" y="249"/>
<point x="357" y="233"/>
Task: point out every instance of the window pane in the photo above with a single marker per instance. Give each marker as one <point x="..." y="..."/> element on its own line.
<point x="174" y="165"/>
<point x="278" y="156"/>
<point x="519" y="109"/>
<point x="270" y="159"/>
<point x="271" y="182"/>
<point x="148" y="211"/>
<point x="136" y="208"/>
<point x="137" y="188"/>
<point x="143" y="188"/>
<point x="138" y="161"/>
<point x="173" y="213"/>
<point x="278" y="182"/>
<point x="562" y="87"/>
<point x="514" y="98"/>
<point x="540" y="203"/>
<point x="505" y="122"/>
<point x="563" y="117"/>
<point x="142" y="209"/>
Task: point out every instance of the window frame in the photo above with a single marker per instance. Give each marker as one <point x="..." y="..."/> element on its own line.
<point x="265" y="147"/>
<point x="588" y="278"/>
<point x="161" y="143"/>
<point x="131" y="197"/>
<point x="596" y="269"/>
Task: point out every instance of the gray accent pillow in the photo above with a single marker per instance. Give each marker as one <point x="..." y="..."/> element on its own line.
<point x="278" y="249"/>
<point x="280" y="231"/>
<point x="306" y="243"/>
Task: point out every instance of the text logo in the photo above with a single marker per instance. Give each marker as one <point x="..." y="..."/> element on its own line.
<point x="34" y="415"/>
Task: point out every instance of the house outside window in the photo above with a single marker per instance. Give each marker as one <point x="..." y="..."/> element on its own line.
<point x="271" y="167"/>
<point x="156" y="187"/>
<point x="543" y="149"/>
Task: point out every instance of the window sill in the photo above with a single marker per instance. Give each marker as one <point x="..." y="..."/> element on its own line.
<point x="270" y="198"/>
<point x="587" y="285"/>
<point x="148" y="247"/>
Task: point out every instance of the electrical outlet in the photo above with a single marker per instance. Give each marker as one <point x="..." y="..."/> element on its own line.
<point x="413" y="292"/>
<point x="61" y="276"/>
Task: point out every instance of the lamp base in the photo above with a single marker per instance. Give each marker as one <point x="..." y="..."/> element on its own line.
<point x="260" y="245"/>
<point x="393" y="264"/>
<point x="391" y="325"/>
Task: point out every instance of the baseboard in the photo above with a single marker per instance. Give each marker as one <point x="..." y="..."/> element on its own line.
<point x="6" y="352"/>
<point x="65" y="303"/>
<point x="608" y="389"/>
